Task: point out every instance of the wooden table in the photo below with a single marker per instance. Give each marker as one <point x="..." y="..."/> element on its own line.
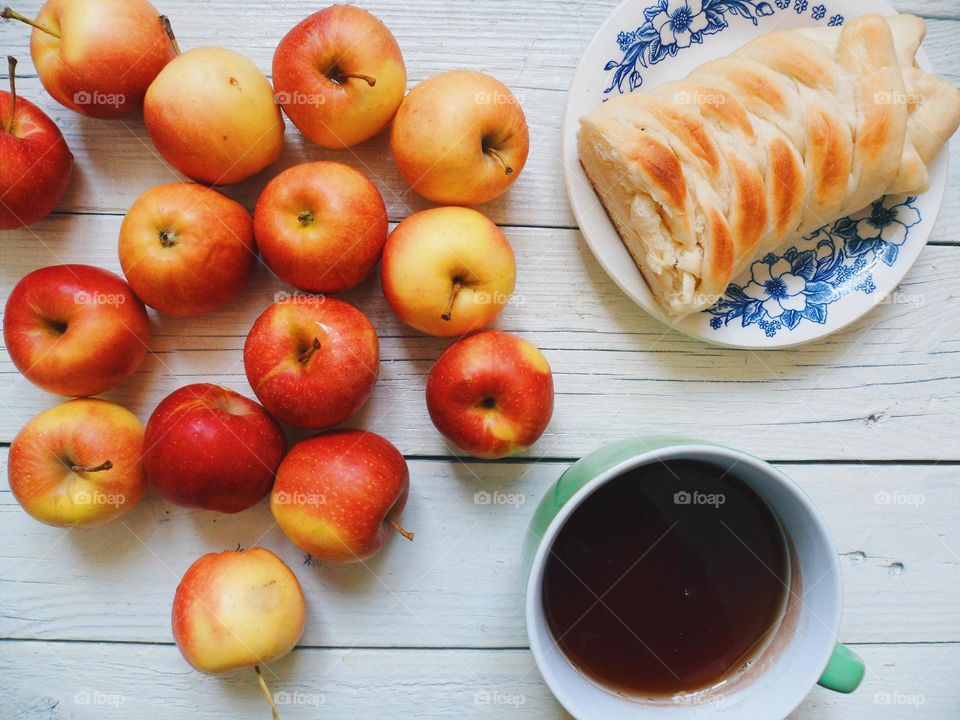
<point x="866" y="421"/>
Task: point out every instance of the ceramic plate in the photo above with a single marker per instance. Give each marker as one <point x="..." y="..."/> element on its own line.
<point x="829" y="279"/>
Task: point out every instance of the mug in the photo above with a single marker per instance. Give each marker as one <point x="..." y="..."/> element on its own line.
<point x="802" y="650"/>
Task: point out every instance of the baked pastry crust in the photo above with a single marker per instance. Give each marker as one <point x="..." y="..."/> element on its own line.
<point x="795" y="130"/>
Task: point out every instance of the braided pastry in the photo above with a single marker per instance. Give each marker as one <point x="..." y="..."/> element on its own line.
<point x="795" y="130"/>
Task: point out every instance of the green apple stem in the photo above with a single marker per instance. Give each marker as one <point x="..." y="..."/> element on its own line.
<point x="308" y="353"/>
<point x="11" y="14"/>
<point x="107" y="465"/>
<point x="12" y="64"/>
<point x="266" y="692"/>
<point x="500" y="159"/>
<point x="168" y="29"/>
<point x="396" y="526"/>
<point x="457" y="287"/>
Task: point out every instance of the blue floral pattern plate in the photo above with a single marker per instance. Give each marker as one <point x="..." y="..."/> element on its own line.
<point x="810" y="287"/>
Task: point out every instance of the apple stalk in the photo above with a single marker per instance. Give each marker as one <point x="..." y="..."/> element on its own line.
<point x="102" y="467"/>
<point x="12" y="63"/>
<point x="498" y="156"/>
<point x="399" y="528"/>
<point x="11" y="14"/>
<point x="266" y="692"/>
<point x="457" y="287"/>
<point x="168" y="29"/>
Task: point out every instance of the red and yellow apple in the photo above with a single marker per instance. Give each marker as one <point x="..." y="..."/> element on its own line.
<point x="321" y="226"/>
<point x="312" y="360"/>
<point x="448" y="271"/>
<point x="75" y="330"/>
<point x="339" y="496"/>
<point x="237" y="609"/>
<point x="186" y="249"/>
<point x="35" y="162"/>
<point x="212" y="116"/>
<point x="491" y="394"/>
<point x="78" y="463"/>
<point x="209" y="447"/>
<point x="460" y="138"/>
<point x="339" y="76"/>
<point x="98" y="57"/>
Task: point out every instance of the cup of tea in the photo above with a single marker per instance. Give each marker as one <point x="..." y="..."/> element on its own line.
<point x="674" y="578"/>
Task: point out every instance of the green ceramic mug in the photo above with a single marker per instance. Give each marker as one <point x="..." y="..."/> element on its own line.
<point x="803" y="651"/>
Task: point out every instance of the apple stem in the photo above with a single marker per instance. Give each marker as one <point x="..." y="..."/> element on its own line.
<point x="371" y="81"/>
<point x="503" y="163"/>
<point x="107" y="465"/>
<point x="168" y="29"/>
<point x="12" y="63"/>
<point x="266" y="692"/>
<point x="396" y="526"/>
<point x="457" y="287"/>
<point x="308" y="353"/>
<point x="11" y="14"/>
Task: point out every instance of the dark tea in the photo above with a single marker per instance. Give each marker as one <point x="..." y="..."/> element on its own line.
<point x="666" y="580"/>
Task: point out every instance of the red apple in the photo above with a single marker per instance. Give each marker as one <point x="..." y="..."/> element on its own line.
<point x="209" y="447"/>
<point x="35" y="162"/>
<point x="491" y="394"/>
<point x="460" y="138"/>
<point x="339" y="496"/>
<point x="98" y="57"/>
<point x="212" y="116"/>
<point x="340" y="76"/>
<point x="75" y="330"/>
<point x="237" y="609"/>
<point x="312" y="360"/>
<point x="186" y="249"/>
<point x="78" y="463"/>
<point x="321" y="226"/>
<point x="448" y="271"/>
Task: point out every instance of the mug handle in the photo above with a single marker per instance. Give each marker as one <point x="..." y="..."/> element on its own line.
<point x="844" y="672"/>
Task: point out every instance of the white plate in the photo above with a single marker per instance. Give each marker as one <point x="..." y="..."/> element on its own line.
<point x="843" y="273"/>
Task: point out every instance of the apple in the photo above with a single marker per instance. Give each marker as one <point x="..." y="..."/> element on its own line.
<point x="186" y="249"/>
<point x="321" y="226"/>
<point x="460" y="138"/>
<point x="78" y="463"/>
<point x="339" y="496"/>
<point x="35" y="162"/>
<point x="339" y="76"/>
<point x="211" y="114"/>
<point x="75" y="330"/>
<point x="491" y="394"/>
<point x="448" y="271"/>
<point x="238" y="609"/>
<point x="312" y="360"/>
<point x="98" y="57"/>
<point x="209" y="447"/>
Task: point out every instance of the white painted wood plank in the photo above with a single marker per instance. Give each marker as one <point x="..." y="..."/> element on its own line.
<point x="884" y="389"/>
<point x="56" y="681"/>
<point x="459" y="583"/>
<point x="532" y="46"/>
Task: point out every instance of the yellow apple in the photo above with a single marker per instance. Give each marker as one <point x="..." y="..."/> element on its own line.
<point x="212" y="115"/>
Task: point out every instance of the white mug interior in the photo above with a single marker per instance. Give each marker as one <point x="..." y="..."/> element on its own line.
<point x="788" y="666"/>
